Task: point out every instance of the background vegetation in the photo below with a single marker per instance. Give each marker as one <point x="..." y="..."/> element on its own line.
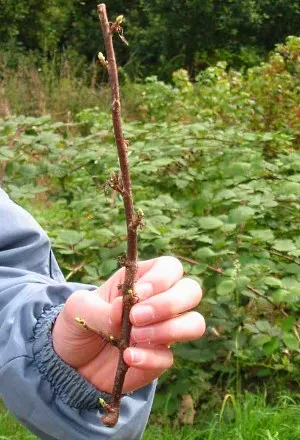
<point x="215" y="156"/>
<point x="164" y="34"/>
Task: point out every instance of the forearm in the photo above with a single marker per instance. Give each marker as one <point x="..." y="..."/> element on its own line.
<point x="45" y="394"/>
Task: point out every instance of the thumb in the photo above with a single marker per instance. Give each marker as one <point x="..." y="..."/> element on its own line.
<point x="91" y="308"/>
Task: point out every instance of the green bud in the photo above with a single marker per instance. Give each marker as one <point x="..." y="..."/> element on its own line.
<point x="101" y="57"/>
<point x="140" y="212"/>
<point x="102" y="402"/>
<point x="120" y="19"/>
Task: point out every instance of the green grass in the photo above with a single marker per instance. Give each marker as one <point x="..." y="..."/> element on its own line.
<point x="250" y="418"/>
<point x="10" y="429"/>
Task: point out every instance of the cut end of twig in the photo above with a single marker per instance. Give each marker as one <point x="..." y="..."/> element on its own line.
<point x="111" y="418"/>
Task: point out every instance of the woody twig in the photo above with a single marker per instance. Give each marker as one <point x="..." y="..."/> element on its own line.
<point x="121" y="183"/>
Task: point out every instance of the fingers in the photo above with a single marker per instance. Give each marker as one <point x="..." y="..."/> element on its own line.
<point x="183" y="296"/>
<point x="187" y="327"/>
<point x="157" y="275"/>
<point x="161" y="275"/>
<point x="153" y="276"/>
<point x="158" y="358"/>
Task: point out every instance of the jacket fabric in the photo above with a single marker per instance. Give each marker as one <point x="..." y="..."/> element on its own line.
<point x="44" y="393"/>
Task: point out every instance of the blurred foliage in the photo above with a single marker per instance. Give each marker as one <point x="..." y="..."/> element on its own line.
<point x="216" y="170"/>
<point x="164" y="35"/>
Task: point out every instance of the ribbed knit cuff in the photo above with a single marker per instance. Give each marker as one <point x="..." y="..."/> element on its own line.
<point x="72" y="388"/>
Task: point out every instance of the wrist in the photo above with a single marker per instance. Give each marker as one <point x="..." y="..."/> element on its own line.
<point x="67" y="384"/>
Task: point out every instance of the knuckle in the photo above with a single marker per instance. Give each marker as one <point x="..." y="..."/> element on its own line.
<point x="164" y="284"/>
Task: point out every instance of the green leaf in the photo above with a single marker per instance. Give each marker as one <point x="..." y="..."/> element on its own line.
<point x="263" y="326"/>
<point x="272" y="282"/>
<point x="204" y="239"/>
<point x="160" y="220"/>
<point x="264" y="235"/>
<point x="225" y="194"/>
<point x="242" y="282"/>
<point x="70" y="237"/>
<point x="271" y="346"/>
<point x="288" y="323"/>
<point x="198" y="269"/>
<point x="293" y="268"/>
<point x="290" y="188"/>
<point x="204" y="252"/>
<point x="86" y="243"/>
<point x="290" y="341"/>
<point x="228" y="227"/>
<point x="226" y="287"/>
<point x="209" y="223"/>
<point x="107" y="267"/>
<point x="251" y="328"/>
<point x="291" y="283"/>
<point x="284" y="245"/>
<point x="260" y="340"/>
<point x="161" y="242"/>
<point x="279" y="295"/>
<point x="238" y="169"/>
<point x="105" y="232"/>
<point x="241" y="214"/>
<point x="6" y="154"/>
<point x="195" y="355"/>
<point x="152" y="228"/>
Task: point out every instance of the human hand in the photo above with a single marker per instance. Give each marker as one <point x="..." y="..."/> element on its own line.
<point x="161" y="317"/>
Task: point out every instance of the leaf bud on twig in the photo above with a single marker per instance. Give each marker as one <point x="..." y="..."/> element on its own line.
<point x="120" y="19"/>
<point x="102" y="59"/>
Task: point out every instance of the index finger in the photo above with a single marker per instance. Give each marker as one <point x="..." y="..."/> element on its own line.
<point x="162" y="274"/>
<point x="154" y="277"/>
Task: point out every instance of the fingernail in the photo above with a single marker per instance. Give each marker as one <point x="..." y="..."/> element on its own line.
<point x="142" y="314"/>
<point x="136" y="357"/>
<point x="143" y="290"/>
<point x="142" y="334"/>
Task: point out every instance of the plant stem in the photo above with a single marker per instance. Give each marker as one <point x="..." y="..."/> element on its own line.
<point x="132" y="221"/>
<point x="220" y="272"/>
<point x="280" y="254"/>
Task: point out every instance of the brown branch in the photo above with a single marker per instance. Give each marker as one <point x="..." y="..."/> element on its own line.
<point x="220" y="272"/>
<point x="76" y="268"/>
<point x="286" y="257"/>
<point x="108" y="339"/>
<point x="206" y="138"/>
<point x="130" y="263"/>
<point x="190" y="260"/>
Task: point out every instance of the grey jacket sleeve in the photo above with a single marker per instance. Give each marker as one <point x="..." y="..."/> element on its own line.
<point x="48" y="396"/>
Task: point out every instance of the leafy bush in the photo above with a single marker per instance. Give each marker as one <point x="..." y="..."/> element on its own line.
<point x="219" y="183"/>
